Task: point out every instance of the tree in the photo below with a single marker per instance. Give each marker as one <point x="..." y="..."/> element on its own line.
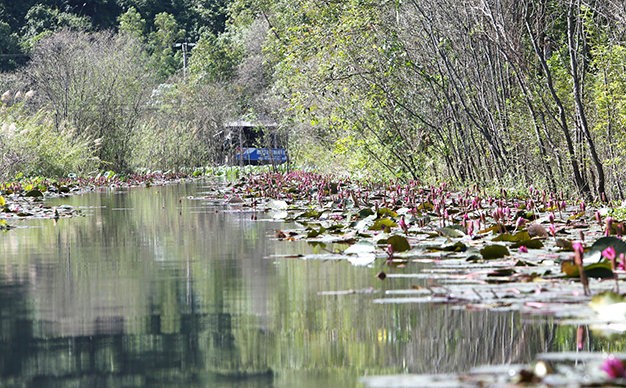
<point x="42" y="20"/>
<point x="97" y="82"/>
<point x="161" y="42"/>
<point x="132" y="23"/>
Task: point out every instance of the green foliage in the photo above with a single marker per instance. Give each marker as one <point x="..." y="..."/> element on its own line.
<point x="96" y="82"/>
<point x="132" y="23"/>
<point x="185" y="128"/>
<point x="42" y="20"/>
<point x="9" y="46"/>
<point x="215" y="58"/>
<point x="32" y="144"/>
<point x="165" y="61"/>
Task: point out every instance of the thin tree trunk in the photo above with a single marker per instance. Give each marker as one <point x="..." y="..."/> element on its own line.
<point x="577" y="90"/>
<point x="580" y="182"/>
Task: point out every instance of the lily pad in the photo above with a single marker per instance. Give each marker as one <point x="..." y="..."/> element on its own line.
<point x="532" y="244"/>
<point x="601" y="270"/>
<point x="34" y="193"/>
<point x="494" y="251"/>
<point x="277" y="205"/>
<point x="595" y="252"/>
<point x="451" y="231"/>
<point x="517" y="237"/>
<point x="399" y="243"/>
<point x="360" y="247"/>
<point x="386" y="212"/>
<point x="384" y="223"/>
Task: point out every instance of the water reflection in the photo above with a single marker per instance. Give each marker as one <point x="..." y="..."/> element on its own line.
<point x="150" y="287"/>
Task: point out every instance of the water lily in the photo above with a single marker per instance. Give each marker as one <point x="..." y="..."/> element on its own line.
<point x="609" y="253"/>
<point x="614" y="367"/>
<point x="403" y="225"/>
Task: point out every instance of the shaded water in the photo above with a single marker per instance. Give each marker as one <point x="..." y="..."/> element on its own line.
<point x="152" y="288"/>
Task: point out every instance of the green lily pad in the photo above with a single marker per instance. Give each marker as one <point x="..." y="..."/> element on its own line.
<point x="494" y="251"/>
<point x="595" y="252"/>
<point x="34" y="193"/>
<point x="532" y="244"/>
<point x="386" y="212"/>
<point x="383" y="223"/>
<point x="455" y="247"/>
<point x="365" y="212"/>
<point x="454" y="231"/>
<point x="399" y="243"/>
<point x="310" y="214"/>
<point x="601" y="270"/>
<point x="517" y="237"/>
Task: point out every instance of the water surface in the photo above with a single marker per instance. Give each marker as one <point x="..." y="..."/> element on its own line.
<point x="150" y="287"/>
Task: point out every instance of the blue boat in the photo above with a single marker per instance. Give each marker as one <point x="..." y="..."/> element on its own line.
<point x="251" y="155"/>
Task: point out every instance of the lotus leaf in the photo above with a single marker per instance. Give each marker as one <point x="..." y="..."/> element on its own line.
<point x="494" y="251"/>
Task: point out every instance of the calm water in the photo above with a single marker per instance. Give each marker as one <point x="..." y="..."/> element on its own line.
<point x="152" y="288"/>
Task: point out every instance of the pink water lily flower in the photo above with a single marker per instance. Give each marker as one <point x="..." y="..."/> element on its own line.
<point x="614" y="367"/>
<point x="609" y="253"/>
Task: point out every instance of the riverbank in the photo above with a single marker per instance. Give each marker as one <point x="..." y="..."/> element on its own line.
<point x="25" y="198"/>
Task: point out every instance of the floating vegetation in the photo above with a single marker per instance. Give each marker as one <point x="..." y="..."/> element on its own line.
<point x="24" y="198"/>
<point x="539" y="253"/>
<point x="586" y="369"/>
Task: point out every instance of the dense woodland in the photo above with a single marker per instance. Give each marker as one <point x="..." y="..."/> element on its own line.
<point x="490" y="92"/>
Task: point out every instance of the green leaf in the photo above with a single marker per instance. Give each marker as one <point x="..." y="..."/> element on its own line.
<point x="494" y="251"/>
<point x="365" y="212"/>
<point x="383" y="224"/>
<point x="517" y="237"/>
<point x="386" y="212"/>
<point x="399" y="243"/>
<point x="3" y="202"/>
<point x="595" y="252"/>
<point x="451" y="231"/>
<point x="34" y="193"/>
<point x="532" y="244"/>
<point x="601" y="270"/>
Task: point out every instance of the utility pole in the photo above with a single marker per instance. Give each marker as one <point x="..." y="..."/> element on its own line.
<point x="185" y="46"/>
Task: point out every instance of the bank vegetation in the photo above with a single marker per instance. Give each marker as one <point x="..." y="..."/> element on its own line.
<point x="489" y="92"/>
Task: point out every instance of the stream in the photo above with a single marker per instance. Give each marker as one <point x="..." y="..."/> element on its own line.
<point x="151" y="287"/>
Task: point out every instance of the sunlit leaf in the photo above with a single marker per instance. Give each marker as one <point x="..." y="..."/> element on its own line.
<point x="384" y="223"/>
<point x="360" y="247"/>
<point x="3" y="202"/>
<point x="386" y="212"/>
<point x="454" y="231"/>
<point x="277" y="205"/>
<point x="517" y="237"/>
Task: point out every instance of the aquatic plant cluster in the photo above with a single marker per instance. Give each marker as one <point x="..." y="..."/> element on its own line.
<point x="535" y="252"/>
<point x="23" y="197"/>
